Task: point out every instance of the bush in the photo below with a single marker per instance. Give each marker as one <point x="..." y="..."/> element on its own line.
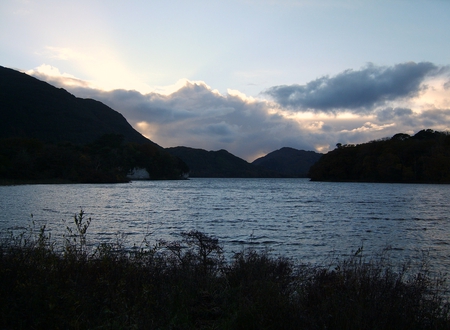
<point x="187" y="284"/>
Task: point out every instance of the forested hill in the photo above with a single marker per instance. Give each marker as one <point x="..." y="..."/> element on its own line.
<point x="49" y="135"/>
<point x="31" y="108"/>
<point x="422" y="158"/>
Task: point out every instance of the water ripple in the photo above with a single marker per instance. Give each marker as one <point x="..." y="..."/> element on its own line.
<point x="293" y="217"/>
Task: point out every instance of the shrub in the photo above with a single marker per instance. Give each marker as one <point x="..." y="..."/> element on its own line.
<point x="187" y="284"/>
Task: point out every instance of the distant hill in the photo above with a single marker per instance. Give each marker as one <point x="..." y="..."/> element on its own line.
<point x="422" y="158"/>
<point x="218" y="164"/>
<point x="289" y="161"/>
<point x="49" y="135"/>
<point x="31" y="108"/>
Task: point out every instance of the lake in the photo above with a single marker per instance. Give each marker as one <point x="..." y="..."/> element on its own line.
<point x="312" y="222"/>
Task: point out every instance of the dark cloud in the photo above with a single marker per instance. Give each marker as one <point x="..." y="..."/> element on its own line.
<point x="222" y="132"/>
<point x="390" y="114"/>
<point x="434" y="118"/>
<point x="407" y="120"/>
<point x="447" y="85"/>
<point x="356" y="91"/>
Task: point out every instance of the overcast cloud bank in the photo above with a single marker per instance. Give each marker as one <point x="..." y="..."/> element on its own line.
<point x="354" y="106"/>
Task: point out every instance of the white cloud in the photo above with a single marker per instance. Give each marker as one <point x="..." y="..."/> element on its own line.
<point x="242" y="96"/>
<point x="54" y="76"/>
<point x="368" y="127"/>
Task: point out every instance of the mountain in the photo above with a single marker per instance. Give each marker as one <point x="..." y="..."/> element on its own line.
<point x="219" y="164"/>
<point x="289" y="161"/>
<point x="422" y="158"/>
<point x="31" y="108"/>
<point x="49" y="135"/>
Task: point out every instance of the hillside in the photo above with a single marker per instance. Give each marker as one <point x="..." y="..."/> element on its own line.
<point x="422" y="158"/>
<point x="218" y="164"/>
<point x="49" y="135"/>
<point x="289" y="161"/>
<point x="31" y="108"/>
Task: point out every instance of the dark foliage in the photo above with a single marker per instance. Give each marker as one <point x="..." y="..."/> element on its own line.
<point x="422" y="158"/>
<point x="106" y="160"/>
<point x="187" y="284"/>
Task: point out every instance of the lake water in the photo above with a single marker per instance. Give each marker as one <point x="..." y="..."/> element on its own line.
<point x="297" y="218"/>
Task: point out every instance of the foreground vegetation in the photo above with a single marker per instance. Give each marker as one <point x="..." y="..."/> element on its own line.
<point x="188" y="284"/>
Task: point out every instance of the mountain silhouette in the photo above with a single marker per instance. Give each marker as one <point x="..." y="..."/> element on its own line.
<point x="219" y="164"/>
<point x="31" y="108"/>
<point x="49" y="135"/>
<point x="289" y="161"/>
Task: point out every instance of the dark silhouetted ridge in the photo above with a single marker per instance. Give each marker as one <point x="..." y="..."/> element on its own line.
<point x="31" y="108"/>
<point x="289" y="161"/>
<point x="218" y="164"/>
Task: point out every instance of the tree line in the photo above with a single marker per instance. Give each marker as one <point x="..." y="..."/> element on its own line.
<point x="421" y="158"/>
<point x="106" y="160"/>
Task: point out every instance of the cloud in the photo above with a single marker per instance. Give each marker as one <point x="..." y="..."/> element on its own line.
<point x="438" y="119"/>
<point x="222" y="131"/>
<point x="54" y="76"/>
<point x="198" y="116"/>
<point x="195" y="115"/>
<point x="355" y="91"/>
<point x="406" y="119"/>
<point x="447" y="85"/>
<point x="48" y="71"/>
<point x="368" y="127"/>
<point x="390" y="114"/>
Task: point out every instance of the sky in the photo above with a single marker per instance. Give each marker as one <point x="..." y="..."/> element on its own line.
<point x="249" y="76"/>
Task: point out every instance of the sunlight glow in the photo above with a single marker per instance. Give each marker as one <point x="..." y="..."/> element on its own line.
<point x="435" y="96"/>
<point x="242" y="96"/>
<point x="171" y="89"/>
<point x="322" y="148"/>
<point x="49" y="70"/>
<point x="145" y="129"/>
<point x="311" y="125"/>
<point x="66" y="54"/>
